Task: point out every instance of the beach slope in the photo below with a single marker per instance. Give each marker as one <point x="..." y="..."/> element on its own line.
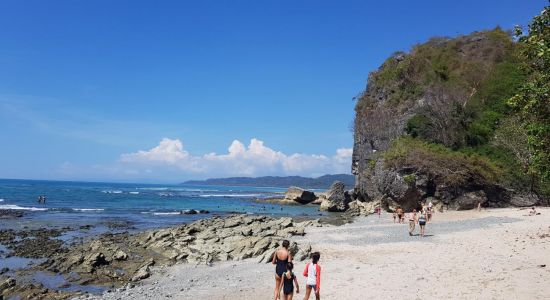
<point x="492" y="254"/>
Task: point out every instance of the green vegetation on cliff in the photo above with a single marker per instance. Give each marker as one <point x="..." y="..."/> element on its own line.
<point x="532" y="101"/>
<point x="444" y="166"/>
<point x="472" y="107"/>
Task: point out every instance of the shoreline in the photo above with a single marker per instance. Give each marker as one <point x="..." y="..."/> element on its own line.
<point x="99" y="263"/>
<point x="363" y="234"/>
<point x="494" y="253"/>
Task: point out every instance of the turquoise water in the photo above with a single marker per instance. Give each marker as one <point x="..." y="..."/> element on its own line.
<point x="72" y="205"/>
<point x="141" y="205"/>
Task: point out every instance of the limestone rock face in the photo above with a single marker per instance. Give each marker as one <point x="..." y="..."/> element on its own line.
<point x="299" y="195"/>
<point x="142" y="273"/>
<point x="384" y="112"/>
<point x="358" y="208"/>
<point x="523" y="200"/>
<point x="468" y="200"/>
<point x="320" y="198"/>
<point x="95" y="260"/>
<point x="120" y="255"/>
<point x="337" y="198"/>
<point x="9" y="282"/>
<point x="129" y="257"/>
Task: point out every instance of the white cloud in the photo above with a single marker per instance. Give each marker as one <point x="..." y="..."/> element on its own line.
<point x="256" y="159"/>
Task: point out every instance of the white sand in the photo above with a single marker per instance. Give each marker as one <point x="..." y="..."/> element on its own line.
<point x="493" y="254"/>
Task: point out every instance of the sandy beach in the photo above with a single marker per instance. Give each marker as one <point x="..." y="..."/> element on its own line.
<point x="492" y="254"/>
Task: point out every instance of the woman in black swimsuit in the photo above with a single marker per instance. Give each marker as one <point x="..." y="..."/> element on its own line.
<point x="280" y="258"/>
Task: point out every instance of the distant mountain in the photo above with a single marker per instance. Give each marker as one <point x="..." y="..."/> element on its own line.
<point x="322" y="182"/>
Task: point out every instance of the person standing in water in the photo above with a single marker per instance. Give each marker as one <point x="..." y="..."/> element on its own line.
<point x="281" y="257"/>
<point x="412" y="221"/>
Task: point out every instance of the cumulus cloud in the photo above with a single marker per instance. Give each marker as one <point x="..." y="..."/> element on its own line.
<point x="256" y="159"/>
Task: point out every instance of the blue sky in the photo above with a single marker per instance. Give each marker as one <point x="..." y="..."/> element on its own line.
<point x="86" y="85"/>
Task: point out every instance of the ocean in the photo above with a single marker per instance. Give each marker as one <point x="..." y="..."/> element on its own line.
<point x="142" y="206"/>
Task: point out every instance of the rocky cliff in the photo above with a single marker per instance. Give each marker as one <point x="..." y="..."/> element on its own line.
<point x="421" y="113"/>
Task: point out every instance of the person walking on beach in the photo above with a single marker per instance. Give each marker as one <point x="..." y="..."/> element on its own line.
<point x="429" y="213"/>
<point x="400" y="214"/>
<point x="313" y="275"/>
<point x="289" y="279"/>
<point x="422" y="223"/>
<point x="281" y="257"/>
<point x="412" y="221"/>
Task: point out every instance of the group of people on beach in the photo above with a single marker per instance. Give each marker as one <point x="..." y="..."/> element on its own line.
<point x="415" y="217"/>
<point x="286" y="280"/>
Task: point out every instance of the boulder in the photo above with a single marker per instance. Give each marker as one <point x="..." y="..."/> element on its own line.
<point x="303" y="253"/>
<point x="468" y="200"/>
<point x="299" y="195"/>
<point x="8" y="283"/>
<point x="358" y="208"/>
<point x="233" y="222"/>
<point x="95" y="259"/>
<point x="120" y="255"/>
<point x="523" y="200"/>
<point x="337" y="198"/>
<point x="142" y="273"/>
<point x="320" y="198"/>
<point x="129" y="257"/>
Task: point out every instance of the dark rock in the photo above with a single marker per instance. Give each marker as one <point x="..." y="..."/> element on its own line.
<point x="95" y="260"/>
<point x="299" y="195"/>
<point x="10" y="214"/>
<point x="194" y="212"/>
<point x="337" y="198"/>
<point x="6" y="284"/>
<point x="523" y="200"/>
<point x="468" y="200"/>
<point x="37" y="247"/>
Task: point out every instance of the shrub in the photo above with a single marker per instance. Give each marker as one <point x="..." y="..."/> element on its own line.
<point x="372" y="164"/>
<point x="410" y="179"/>
<point x="443" y="165"/>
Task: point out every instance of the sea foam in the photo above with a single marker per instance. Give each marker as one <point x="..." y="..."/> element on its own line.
<point x="167" y="213"/>
<point x="17" y="207"/>
<point x="230" y="195"/>
<point x="88" y="209"/>
<point x="112" y="192"/>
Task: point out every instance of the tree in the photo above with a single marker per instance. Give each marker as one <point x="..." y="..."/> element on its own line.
<point x="533" y="99"/>
<point x="514" y="138"/>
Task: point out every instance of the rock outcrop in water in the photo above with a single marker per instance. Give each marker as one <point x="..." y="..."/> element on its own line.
<point x="115" y="259"/>
<point x="337" y="199"/>
<point x="125" y="257"/>
<point x="299" y="195"/>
